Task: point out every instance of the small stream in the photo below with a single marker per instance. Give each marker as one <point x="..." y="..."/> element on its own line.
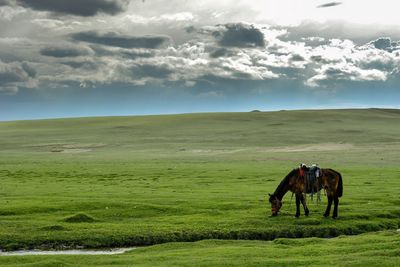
<point x="66" y="252"/>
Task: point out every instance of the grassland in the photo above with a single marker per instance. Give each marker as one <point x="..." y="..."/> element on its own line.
<point x="124" y="181"/>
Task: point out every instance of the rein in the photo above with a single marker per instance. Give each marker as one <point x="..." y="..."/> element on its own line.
<point x="290" y="204"/>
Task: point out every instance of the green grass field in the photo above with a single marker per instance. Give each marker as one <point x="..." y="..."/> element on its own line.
<point x="127" y="181"/>
<point x="371" y="249"/>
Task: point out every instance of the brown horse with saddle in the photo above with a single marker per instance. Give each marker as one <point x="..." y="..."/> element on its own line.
<point x="309" y="180"/>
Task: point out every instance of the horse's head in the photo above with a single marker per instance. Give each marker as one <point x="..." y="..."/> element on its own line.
<point x="276" y="204"/>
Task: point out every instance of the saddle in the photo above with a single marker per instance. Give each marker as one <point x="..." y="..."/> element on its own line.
<point x="312" y="185"/>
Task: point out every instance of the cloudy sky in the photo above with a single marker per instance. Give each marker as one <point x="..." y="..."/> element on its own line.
<point x="69" y="58"/>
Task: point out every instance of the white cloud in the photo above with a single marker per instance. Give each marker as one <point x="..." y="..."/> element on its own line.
<point x="270" y="54"/>
<point x="329" y="75"/>
<point x="181" y="17"/>
<point x="53" y="24"/>
<point x="7" y="13"/>
<point x="342" y="60"/>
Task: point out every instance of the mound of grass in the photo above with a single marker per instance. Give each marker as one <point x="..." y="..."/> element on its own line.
<point x="54" y="228"/>
<point x="80" y="218"/>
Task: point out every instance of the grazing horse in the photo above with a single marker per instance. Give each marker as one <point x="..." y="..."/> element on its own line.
<point x="296" y="182"/>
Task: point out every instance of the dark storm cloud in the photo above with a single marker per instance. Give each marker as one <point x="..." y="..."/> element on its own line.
<point x="388" y="65"/>
<point x="190" y="29"/>
<point x="385" y="43"/>
<point x="5" y="2"/>
<point x="151" y="71"/>
<point x="12" y="72"/>
<point x="321" y="60"/>
<point x="14" y="75"/>
<point x="135" y="54"/>
<point x="289" y="72"/>
<point x="296" y="57"/>
<point x="11" y="75"/>
<point x="333" y="72"/>
<point x="330" y="4"/>
<point x="382" y="43"/>
<point x="87" y="65"/>
<point x="61" y="52"/>
<point x="118" y="40"/>
<point x="29" y="70"/>
<point x="121" y="52"/>
<point x="240" y="35"/>
<point x="77" y="7"/>
<point x="221" y="52"/>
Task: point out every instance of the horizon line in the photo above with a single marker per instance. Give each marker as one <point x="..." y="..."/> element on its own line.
<point x="203" y="112"/>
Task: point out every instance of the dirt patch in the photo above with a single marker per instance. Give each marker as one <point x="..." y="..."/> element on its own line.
<point x="75" y="150"/>
<point x="313" y="147"/>
<point x="71" y="148"/>
<point x="83" y="146"/>
<point x="200" y="151"/>
<point x="300" y="148"/>
<point x="213" y="151"/>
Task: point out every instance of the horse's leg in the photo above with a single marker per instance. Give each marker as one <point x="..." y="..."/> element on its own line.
<point x="335" y="208"/>
<point x="297" y="206"/>
<point x="328" y="208"/>
<point x="303" y="201"/>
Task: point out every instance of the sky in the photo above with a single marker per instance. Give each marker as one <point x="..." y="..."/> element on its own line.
<point x="73" y="58"/>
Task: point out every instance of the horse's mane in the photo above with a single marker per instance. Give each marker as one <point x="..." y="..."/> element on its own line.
<point x="285" y="181"/>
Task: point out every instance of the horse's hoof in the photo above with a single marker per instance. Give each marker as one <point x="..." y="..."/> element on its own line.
<point x="307" y="212"/>
<point x="297" y="216"/>
<point x="334" y="217"/>
<point x="326" y="215"/>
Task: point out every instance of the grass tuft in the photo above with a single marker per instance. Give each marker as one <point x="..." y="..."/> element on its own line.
<point x="79" y="218"/>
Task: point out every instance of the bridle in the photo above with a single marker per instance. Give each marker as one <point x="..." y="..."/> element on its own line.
<point x="276" y="205"/>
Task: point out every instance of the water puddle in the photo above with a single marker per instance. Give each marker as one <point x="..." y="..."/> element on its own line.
<point x="65" y="252"/>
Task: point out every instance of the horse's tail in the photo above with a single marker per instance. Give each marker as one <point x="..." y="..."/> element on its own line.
<point x="339" y="190"/>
